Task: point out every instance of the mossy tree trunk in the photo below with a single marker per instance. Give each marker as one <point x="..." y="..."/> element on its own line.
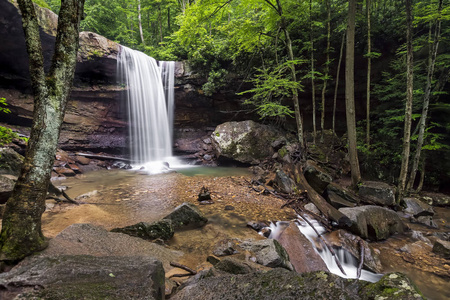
<point x="21" y="232"/>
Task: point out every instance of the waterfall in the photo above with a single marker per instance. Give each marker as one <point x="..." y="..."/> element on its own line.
<point x="150" y="104"/>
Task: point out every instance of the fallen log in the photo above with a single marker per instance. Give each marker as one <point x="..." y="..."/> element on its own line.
<point x="103" y="157"/>
<point x="325" y="208"/>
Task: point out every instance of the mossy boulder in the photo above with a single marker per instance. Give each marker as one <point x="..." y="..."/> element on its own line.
<point x="85" y="277"/>
<point x="187" y="215"/>
<point x="10" y="161"/>
<point x="287" y="285"/>
<point x="373" y="222"/>
<point x="379" y="193"/>
<point x="162" y="229"/>
<point x="245" y="142"/>
<point x="284" y="183"/>
<point x="317" y="177"/>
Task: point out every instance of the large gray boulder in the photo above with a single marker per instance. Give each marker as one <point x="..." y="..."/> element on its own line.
<point x="342" y="192"/>
<point x="187" y="215"/>
<point x="246" y="141"/>
<point x="268" y="253"/>
<point x="283" y="284"/>
<point x="417" y="208"/>
<point x="316" y="176"/>
<point x="373" y="222"/>
<point x="442" y="248"/>
<point x="378" y="192"/>
<point x="85" y="277"/>
<point x="284" y="183"/>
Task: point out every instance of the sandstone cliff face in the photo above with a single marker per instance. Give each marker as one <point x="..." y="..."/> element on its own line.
<point x="96" y="114"/>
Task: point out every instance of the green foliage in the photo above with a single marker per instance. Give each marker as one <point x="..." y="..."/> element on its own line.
<point x="42" y="3"/>
<point x="2" y="106"/>
<point x="271" y="87"/>
<point x="7" y="135"/>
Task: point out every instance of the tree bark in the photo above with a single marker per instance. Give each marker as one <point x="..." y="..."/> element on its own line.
<point x="21" y="232"/>
<point x="140" y="23"/>
<point x="327" y="68"/>
<point x="313" y="88"/>
<point x="369" y="67"/>
<point x="408" y="104"/>
<point x="426" y="99"/>
<point x="337" y="82"/>
<point x="350" y="94"/>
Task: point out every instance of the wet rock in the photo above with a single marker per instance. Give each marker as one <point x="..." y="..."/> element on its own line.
<point x="83" y="160"/>
<point x="342" y="192"/>
<point x="345" y="240"/>
<point x="207" y="157"/>
<point x="442" y="248"/>
<point x="246" y="141"/>
<point x="64" y="171"/>
<point x="10" y="161"/>
<point x="85" y="277"/>
<point x="283" y="284"/>
<point x="392" y="286"/>
<point x="266" y="232"/>
<point x="6" y="187"/>
<point x="229" y="207"/>
<point x="204" y="194"/>
<point x="435" y="199"/>
<point x="187" y="215"/>
<point x="149" y="231"/>
<point x="378" y="192"/>
<point x="312" y="208"/>
<point x="302" y="254"/>
<point x="234" y="266"/>
<point x="268" y="253"/>
<point x="213" y="259"/>
<point x="316" y="176"/>
<point x="373" y="222"/>
<point x="417" y="208"/>
<point x="226" y="247"/>
<point x="257" y="226"/>
<point x="425" y="220"/>
<point x="285" y="183"/>
<point x="337" y="201"/>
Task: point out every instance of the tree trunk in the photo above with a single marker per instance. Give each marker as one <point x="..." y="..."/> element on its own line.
<point x="327" y="67"/>
<point x="426" y="99"/>
<point x="21" y="232"/>
<point x="313" y="88"/>
<point x="369" y="67"/>
<point x="140" y="23"/>
<point x="337" y="82"/>
<point x="350" y="94"/>
<point x="408" y="104"/>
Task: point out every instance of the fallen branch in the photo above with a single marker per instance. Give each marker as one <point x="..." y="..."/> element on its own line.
<point x="361" y="259"/>
<point x="54" y="190"/>
<point x="103" y="157"/>
<point x="177" y="265"/>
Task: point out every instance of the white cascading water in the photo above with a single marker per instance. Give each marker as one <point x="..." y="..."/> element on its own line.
<point x="348" y="261"/>
<point x="150" y="107"/>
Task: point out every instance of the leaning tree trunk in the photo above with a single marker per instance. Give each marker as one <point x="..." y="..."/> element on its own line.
<point x="337" y="82"/>
<point x="426" y="99"/>
<point x="408" y="104"/>
<point x="21" y="232"/>
<point x="350" y="94"/>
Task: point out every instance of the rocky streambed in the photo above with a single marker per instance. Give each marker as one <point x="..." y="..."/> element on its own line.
<point x="225" y="252"/>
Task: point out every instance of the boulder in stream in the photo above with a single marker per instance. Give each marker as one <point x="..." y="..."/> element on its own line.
<point x="84" y="277"/>
<point x="316" y="176"/>
<point x="373" y="222"/>
<point x="283" y="284"/>
<point x="442" y="248"/>
<point x="417" y="208"/>
<point x="378" y="192"/>
<point x="246" y="141"/>
<point x="187" y="215"/>
<point x="268" y="253"/>
<point x="162" y="229"/>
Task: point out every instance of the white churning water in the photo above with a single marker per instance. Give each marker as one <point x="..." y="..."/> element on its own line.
<point x="150" y="104"/>
<point x="348" y="261"/>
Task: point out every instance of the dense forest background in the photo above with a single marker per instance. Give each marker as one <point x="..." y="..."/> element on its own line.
<point x="259" y="42"/>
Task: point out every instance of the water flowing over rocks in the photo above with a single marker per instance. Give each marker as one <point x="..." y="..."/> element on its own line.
<point x="246" y="141"/>
<point x="374" y="222"/>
